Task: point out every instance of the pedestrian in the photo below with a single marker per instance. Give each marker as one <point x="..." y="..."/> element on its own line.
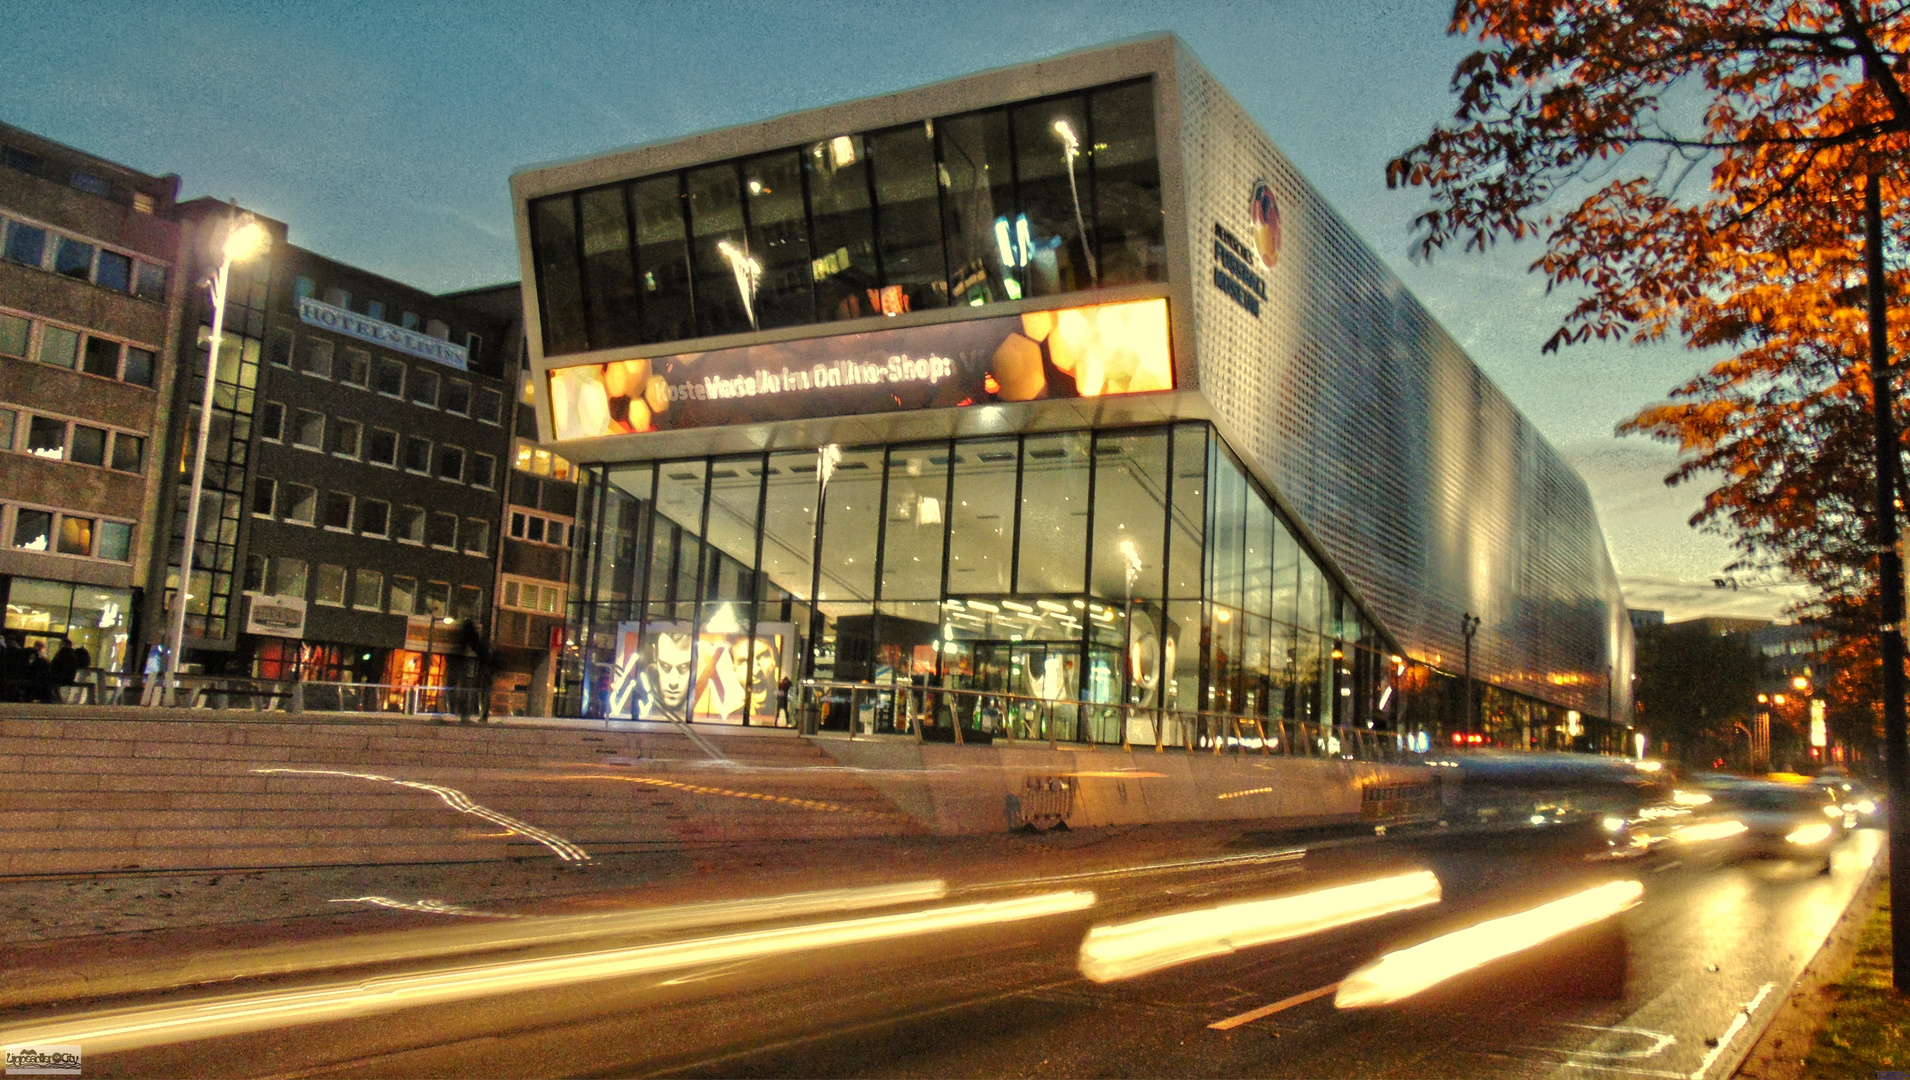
<point x="14" y="672"/>
<point x="476" y="697"/>
<point x="62" y="668"/>
<point x="782" y="701"/>
<point x="39" y="675"/>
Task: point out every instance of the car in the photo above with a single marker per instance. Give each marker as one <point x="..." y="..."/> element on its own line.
<point x="1793" y="821"/>
<point x="1853" y="795"/>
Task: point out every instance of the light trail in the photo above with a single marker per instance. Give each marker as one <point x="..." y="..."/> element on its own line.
<point x="115" y="1030"/>
<point x="1282" y="1005"/>
<point x="459" y="801"/>
<point x="1399" y="975"/>
<point x="1709" y="830"/>
<point x="1125" y="950"/>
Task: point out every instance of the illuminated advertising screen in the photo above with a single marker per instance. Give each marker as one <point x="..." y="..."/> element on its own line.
<point x="1074" y="352"/>
<point x="667" y="671"/>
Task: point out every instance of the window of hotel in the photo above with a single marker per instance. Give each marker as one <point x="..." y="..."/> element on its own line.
<point x="334" y="511"/>
<point x="76" y="535"/>
<point x="388" y="377"/>
<point x="317" y="358"/>
<point x="477" y="536"/>
<point x="302" y="288"/>
<point x="270" y="421"/>
<point x="437" y="328"/>
<point x="354" y="367"/>
<point x="374" y="517"/>
<point x="278" y="351"/>
<point x="450" y="464"/>
<point x="457" y="397"/>
<point x="13" y="335"/>
<point x="113" y="541"/>
<point x="337" y="297"/>
<point x="424" y="388"/>
<point x="298" y="503"/>
<point x="488" y="406"/>
<point x="59" y="346"/>
<point x="139" y="366"/>
<point x="9" y="419"/>
<point x="375" y="309"/>
<point x="404" y="594"/>
<point x="309" y="433"/>
<point x="288" y="577"/>
<point x="151" y="282"/>
<point x="345" y="438"/>
<point x="381" y="447"/>
<point x="417" y="454"/>
<point x="469" y="603"/>
<point x="410" y="527"/>
<point x="442" y="531"/>
<point x="88" y="445"/>
<point x="949" y="215"/>
<point x="331" y="586"/>
<point x="480" y="470"/>
<point x="264" y="493"/>
<point x="368" y="590"/>
<point x="409" y="320"/>
<point x="129" y="452"/>
<point x="435" y="600"/>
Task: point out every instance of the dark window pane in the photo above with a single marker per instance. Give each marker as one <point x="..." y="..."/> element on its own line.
<point x="74" y="259"/>
<point x="46" y="438"/>
<point x="278" y="351"/>
<point x="725" y="278"/>
<point x="271" y="420"/>
<point x="388" y="377"/>
<point x="779" y="239"/>
<point x="609" y="281"/>
<point x="1127" y="186"/>
<point x="457" y="397"/>
<point x="417" y="454"/>
<point x="129" y="452"/>
<point x="374" y="516"/>
<point x="25" y="244"/>
<point x="554" y="233"/>
<point x="89" y="445"/>
<point x="844" y="265"/>
<point x="263" y="494"/>
<point x="139" y="366"/>
<point x="450" y="463"/>
<point x="114" y="541"/>
<point x="32" y="529"/>
<point x="151" y="284"/>
<point x="1050" y="144"/>
<point x="908" y="220"/>
<point x="102" y="357"/>
<point x="381" y="447"/>
<point x="442" y="531"/>
<point x="663" y="267"/>
<point x="984" y="258"/>
<point x="115" y="271"/>
<point x="334" y="511"/>
<point x="424" y="388"/>
<point x="489" y="403"/>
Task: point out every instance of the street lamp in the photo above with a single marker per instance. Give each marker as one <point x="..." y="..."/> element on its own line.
<point x="245" y="239"/>
<point x="1468" y="625"/>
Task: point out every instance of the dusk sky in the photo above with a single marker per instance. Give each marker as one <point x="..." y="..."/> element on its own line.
<point x="384" y="134"/>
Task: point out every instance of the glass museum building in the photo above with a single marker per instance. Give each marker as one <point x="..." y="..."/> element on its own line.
<point x="1056" y="381"/>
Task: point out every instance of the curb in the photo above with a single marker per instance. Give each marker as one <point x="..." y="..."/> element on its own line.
<point x="1823" y="967"/>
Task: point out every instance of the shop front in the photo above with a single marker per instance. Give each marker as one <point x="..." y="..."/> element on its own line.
<point x="94" y="618"/>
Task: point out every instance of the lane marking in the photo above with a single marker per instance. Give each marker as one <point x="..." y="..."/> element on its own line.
<point x="1737" y="1024"/>
<point x="1629" y="1071"/>
<point x="1672" y="865"/>
<point x="459" y="801"/>
<point x="1268" y="1010"/>
<point x="1660" y="1040"/>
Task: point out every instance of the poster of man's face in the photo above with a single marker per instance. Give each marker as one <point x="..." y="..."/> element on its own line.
<point x="666" y="672"/>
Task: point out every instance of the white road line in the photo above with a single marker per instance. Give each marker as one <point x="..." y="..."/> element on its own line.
<point x="1672" y="865"/>
<point x="459" y="801"/>
<point x="1737" y="1024"/>
<point x="1624" y="1069"/>
<point x="1268" y="1010"/>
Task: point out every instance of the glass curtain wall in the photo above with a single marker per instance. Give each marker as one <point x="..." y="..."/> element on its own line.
<point x="1136" y="567"/>
<point x="1038" y="198"/>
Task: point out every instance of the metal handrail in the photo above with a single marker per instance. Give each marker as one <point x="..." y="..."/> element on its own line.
<point x="900" y="709"/>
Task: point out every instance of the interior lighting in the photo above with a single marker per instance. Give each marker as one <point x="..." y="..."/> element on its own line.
<point x="1402" y="974"/>
<point x="1125" y="950"/>
<point x="1050" y="605"/>
<point x="1016" y="605"/>
<point x="981" y="605"/>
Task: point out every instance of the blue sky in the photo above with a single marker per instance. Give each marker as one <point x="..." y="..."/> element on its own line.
<point x="384" y="135"/>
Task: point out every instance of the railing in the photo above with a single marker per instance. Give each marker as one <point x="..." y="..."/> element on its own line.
<point x="938" y="714"/>
<point x="278" y="695"/>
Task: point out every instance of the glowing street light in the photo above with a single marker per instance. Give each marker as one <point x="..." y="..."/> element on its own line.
<point x="245" y="239"/>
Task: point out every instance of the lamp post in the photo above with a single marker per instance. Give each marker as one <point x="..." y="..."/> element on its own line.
<point x="1468" y="625"/>
<point x="245" y="239"/>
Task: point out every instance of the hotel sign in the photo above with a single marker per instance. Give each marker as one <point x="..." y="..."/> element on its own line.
<point x="378" y="332"/>
<point x="275" y="616"/>
<point x="1092" y="351"/>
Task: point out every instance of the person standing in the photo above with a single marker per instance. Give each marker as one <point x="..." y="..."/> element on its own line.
<point x="63" y="667"/>
<point x="39" y="675"/>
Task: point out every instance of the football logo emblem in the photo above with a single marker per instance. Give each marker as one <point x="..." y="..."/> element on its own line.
<point x="1265" y="211"/>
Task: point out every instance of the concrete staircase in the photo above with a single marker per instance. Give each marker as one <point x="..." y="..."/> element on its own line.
<point x="90" y="790"/>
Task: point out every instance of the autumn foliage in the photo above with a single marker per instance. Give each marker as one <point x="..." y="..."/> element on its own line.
<point x="1694" y="171"/>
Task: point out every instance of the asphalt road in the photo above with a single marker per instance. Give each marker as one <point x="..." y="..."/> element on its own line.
<point x="1675" y="987"/>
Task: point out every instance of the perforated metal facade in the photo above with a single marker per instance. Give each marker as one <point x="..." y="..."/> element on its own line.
<point x="1417" y="480"/>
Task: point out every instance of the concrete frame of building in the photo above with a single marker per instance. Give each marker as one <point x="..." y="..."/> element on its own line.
<point x="1332" y="410"/>
<point x="355" y="474"/>
<point x="89" y="306"/>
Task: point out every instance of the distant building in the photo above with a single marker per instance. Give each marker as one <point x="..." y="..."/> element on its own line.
<point x="355" y="473"/>
<point x="90" y="288"/>
<point x="535" y="537"/>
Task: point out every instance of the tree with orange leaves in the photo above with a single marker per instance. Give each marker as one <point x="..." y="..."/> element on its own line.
<point x="1695" y="170"/>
